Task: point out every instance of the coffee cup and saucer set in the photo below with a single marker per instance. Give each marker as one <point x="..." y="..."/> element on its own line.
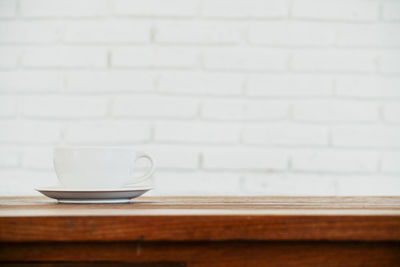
<point x="97" y="175"/>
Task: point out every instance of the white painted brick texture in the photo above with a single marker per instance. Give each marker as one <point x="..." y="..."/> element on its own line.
<point x="30" y="81"/>
<point x="149" y="57"/>
<point x="286" y="134"/>
<point x="110" y="31"/>
<point x="64" y="107"/>
<point x="245" y="159"/>
<point x="200" y="83"/>
<point x="65" y="57"/>
<point x="197" y="132"/>
<point x="391" y="10"/>
<point x="174" y="8"/>
<point x="63" y="8"/>
<point x="8" y="8"/>
<point x="155" y="106"/>
<point x="245" y="59"/>
<point x="9" y="57"/>
<point x="92" y="82"/>
<point x="244" y="8"/>
<point x="123" y="133"/>
<point x="29" y="32"/>
<point x="347" y="10"/>
<point x="8" y="106"/>
<point x="335" y="111"/>
<point x="231" y="97"/>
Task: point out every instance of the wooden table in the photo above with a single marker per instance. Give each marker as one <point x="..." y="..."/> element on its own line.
<point x="202" y="231"/>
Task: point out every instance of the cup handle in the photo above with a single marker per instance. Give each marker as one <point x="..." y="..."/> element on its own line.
<point x="146" y="176"/>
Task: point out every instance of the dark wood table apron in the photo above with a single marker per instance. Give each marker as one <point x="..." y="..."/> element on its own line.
<point x="203" y="231"/>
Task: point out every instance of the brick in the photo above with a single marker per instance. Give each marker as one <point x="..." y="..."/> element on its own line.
<point x="289" y="85"/>
<point x="335" y="111"/>
<point x="38" y="159"/>
<point x="389" y="62"/>
<point x="391" y="112"/>
<point x="354" y="10"/>
<point x="179" y="8"/>
<point x="63" y="8"/>
<point x="9" y="57"/>
<point x="8" y="106"/>
<point x="107" y="133"/>
<point x="8" y="8"/>
<point x="154" y="57"/>
<point x="9" y="158"/>
<point x="194" y="32"/>
<point x="35" y="32"/>
<point x="256" y="59"/>
<point x="29" y="132"/>
<point x="108" y="31"/>
<point x="285" y="134"/>
<point x="327" y="60"/>
<point x="155" y="106"/>
<point x="23" y="183"/>
<point x="244" y="8"/>
<point x="245" y="159"/>
<point x="283" y="184"/>
<point x="64" y="106"/>
<point x="172" y="157"/>
<point x="244" y="110"/>
<point x="223" y="110"/>
<point x="361" y="185"/>
<point x="196" y="184"/>
<point x="335" y="161"/>
<point x="197" y="132"/>
<point x="30" y="81"/>
<point x="368" y="87"/>
<point x="109" y="81"/>
<point x="266" y="110"/>
<point x="194" y="83"/>
<point x="65" y="57"/>
<point x="391" y="10"/>
<point x="366" y="136"/>
<point x="390" y="162"/>
<point x="369" y="35"/>
<point x="292" y="33"/>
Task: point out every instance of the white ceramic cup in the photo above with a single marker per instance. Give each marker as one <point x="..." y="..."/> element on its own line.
<point x="98" y="167"/>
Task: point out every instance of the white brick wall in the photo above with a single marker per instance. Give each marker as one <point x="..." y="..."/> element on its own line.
<point x="391" y="10"/>
<point x="154" y="57"/>
<point x="155" y="106"/>
<point x="97" y="133"/>
<point x="244" y="9"/>
<point x="63" y="8"/>
<point x="352" y="10"/>
<point x="118" y="31"/>
<point x="200" y="83"/>
<point x="92" y="82"/>
<point x="175" y="8"/>
<point x="60" y="107"/>
<point x="286" y="134"/>
<point x="335" y="111"/>
<point x="245" y="59"/>
<point x="237" y="97"/>
<point x="8" y="8"/>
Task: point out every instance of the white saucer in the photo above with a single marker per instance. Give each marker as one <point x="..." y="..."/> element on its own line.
<point x="84" y="195"/>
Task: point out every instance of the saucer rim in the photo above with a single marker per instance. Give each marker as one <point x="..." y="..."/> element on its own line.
<point x="66" y="189"/>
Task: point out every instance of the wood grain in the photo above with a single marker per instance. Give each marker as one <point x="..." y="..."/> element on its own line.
<point x="210" y="253"/>
<point x="203" y="219"/>
<point x="199" y="228"/>
<point x="40" y="206"/>
<point x="202" y="231"/>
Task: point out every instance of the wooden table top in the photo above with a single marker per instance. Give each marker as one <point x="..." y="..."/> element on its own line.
<point x="202" y="219"/>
